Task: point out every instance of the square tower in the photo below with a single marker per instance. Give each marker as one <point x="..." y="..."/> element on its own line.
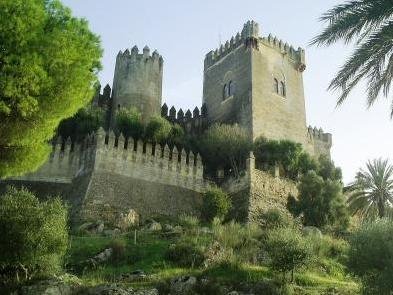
<point x="257" y="82"/>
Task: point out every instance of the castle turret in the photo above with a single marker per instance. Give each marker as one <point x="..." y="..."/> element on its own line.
<point x="137" y="82"/>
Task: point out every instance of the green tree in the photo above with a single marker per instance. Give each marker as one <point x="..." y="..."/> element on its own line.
<point x="177" y="135"/>
<point x="288" y="250"/>
<point x="320" y="202"/>
<point x="34" y="234"/>
<point x="48" y="64"/>
<point x="367" y="23"/>
<point x="216" y="203"/>
<point x="371" y="256"/>
<point x="158" y="130"/>
<point x="84" y="122"/>
<point x="129" y="123"/>
<point x="327" y="170"/>
<point x="225" y="146"/>
<point x="371" y="193"/>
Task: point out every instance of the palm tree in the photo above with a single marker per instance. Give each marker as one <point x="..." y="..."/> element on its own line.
<point x="372" y="191"/>
<point x="368" y="24"/>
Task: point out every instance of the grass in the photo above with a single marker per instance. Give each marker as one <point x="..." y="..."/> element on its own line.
<point x="149" y="255"/>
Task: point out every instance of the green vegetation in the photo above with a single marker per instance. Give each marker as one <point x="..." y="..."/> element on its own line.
<point x="371" y="256"/>
<point x="158" y="130"/>
<point x="84" y="122"/>
<point x="320" y="202"/>
<point x="49" y="62"/>
<point x="129" y="123"/>
<point x="371" y="194"/>
<point x="368" y="25"/>
<point x="288" y="250"/>
<point x="34" y="235"/>
<point x="216" y="203"/>
<point x="225" y="146"/>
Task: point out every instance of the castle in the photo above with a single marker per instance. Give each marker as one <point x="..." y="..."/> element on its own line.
<point x="250" y="80"/>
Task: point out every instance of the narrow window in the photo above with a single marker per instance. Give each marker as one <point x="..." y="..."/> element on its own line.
<point x="231" y="88"/>
<point x="275" y="85"/>
<point x="282" y="89"/>
<point x="224" y="92"/>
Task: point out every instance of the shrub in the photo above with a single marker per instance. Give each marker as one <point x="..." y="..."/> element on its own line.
<point x="225" y="146"/>
<point x="119" y="248"/>
<point x="158" y="129"/>
<point x="274" y="218"/>
<point x="189" y="221"/>
<point x="34" y="234"/>
<point x="186" y="253"/>
<point x="216" y="203"/>
<point x="371" y="256"/>
<point x="129" y="122"/>
<point x="288" y="250"/>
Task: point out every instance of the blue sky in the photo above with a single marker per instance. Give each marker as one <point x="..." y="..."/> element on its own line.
<point x="184" y="31"/>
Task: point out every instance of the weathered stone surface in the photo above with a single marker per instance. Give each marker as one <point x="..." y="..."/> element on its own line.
<point x="49" y="287"/>
<point x="312" y="231"/>
<point x="183" y="285"/>
<point x="154" y="226"/>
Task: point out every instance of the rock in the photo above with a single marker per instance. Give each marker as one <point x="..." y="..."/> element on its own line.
<point x="85" y="227"/>
<point x="146" y="292"/>
<point x="109" y="290"/>
<point x="137" y="275"/>
<point x="92" y="228"/>
<point x="100" y="228"/>
<point x="154" y="226"/>
<point x="183" y="285"/>
<point x="312" y="231"/>
<point x="99" y="258"/>
<point x="167" y="227"/>
<point x="127" y="220"/>
<point x="48" y="287"/>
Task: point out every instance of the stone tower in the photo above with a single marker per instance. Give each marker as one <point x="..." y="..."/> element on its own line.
<point x="137" y="82"/>
<point x="257" y="82"/>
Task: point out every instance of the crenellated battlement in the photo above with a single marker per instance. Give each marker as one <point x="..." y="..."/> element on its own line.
<point x="318" y="134"/>
<point x="250" y="37"/>
<point x="154" y="163"/>
<point x="193" y="122"/>
<point x="133" y="55"/>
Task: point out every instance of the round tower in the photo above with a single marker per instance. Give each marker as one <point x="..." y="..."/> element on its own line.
<point x="137" y="82"/>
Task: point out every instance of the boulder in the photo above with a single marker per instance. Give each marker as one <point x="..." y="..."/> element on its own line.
<point x="312" y="231"/>
<point x="137" y="275"/>
<point x="109" y="290"/>
<point x="154" y="226"/>
<point x="92" y="228"/>
<point x="127" y="220"/>
<point x="183" y="285"/>
<point x="167" y="227"/>
<point x="48" y="287"/>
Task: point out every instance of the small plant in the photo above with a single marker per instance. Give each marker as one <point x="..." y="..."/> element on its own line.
<point x="189" y="221"/>
<point x="216" y="203"/>
<point x="288" y="250"/>
<point x="186" y="253"/>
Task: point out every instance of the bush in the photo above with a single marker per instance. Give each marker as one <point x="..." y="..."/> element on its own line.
<point x="189" y="221"/>
<point x="158" y="130"/>
<point x="235" y="243"/>
<point x="274" y="218"/>
<point x="371" y="256"/>
<point x="186" y="253"/>
<point x="288" y="250"/>
<point x="216" y="203"/>
<point x="34" y="234"/>
<point x="129" y="123"/>
<point x="119" y="248"/>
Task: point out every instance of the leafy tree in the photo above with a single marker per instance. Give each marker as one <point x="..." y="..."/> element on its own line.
<point x="48" y="63"/>
<point x="216" y="203"/>
<point x="371" y="256"/>
<point x="320" y="202"/>
<point x="367" y="23"/>
<point x="176" y="135"/>
<point x="158" y="129"/>
<point x="372" y="191"/>
<point x="84" y="122"/>
<point x="34" y="234"/>
<point x="129" y="123"/>
<point x="225" y="146"/>
<point x="288" y="250"/>
<point x="327" y="170"/>
<point x="306" y="163"/>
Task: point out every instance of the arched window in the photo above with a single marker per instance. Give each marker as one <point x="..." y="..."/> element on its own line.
<point x="231" y="88"/>
<point x="282" y="89"/>
<point x="224" y="92"/>
<point x="275" y="85"/>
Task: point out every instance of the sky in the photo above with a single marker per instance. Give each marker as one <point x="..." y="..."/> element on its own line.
<point x="184" y="31"/>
